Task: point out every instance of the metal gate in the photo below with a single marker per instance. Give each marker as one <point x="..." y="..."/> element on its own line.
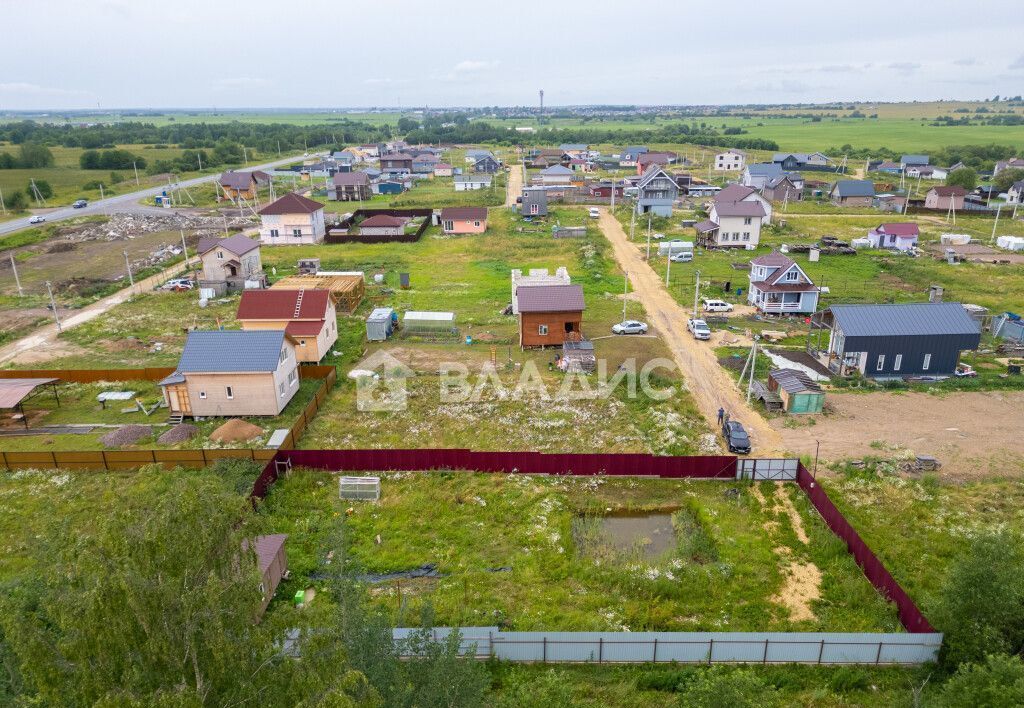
<point x="774" y="470"/>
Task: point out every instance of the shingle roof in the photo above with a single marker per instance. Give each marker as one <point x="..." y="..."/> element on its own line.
<point x="231" y="350"/>
<point x="854" y="188"/>
<point x="764" y="169"/>
<point x="914" y="160"/>
<point x="291" y="203"/>
<point x="774" y="258"/>
<point x="345" y="179"/>
<point x="909" y="319"/>
<point x="898" y="229"/>
<point x="556" y="170"/>
<point x="277" y="304"/>
<point x="551" y="298"/>
<point x="237" y="244"/>
<point x="381" y="220"/>
<point x="237" y="180"/>
<point x="463" y="213"/>
<point x="739" y="208"/>
<point x="734" y="193"/>
<point x="706" y="226"/>
<point x="653" y="172"/>
<point x="953" y="191"/>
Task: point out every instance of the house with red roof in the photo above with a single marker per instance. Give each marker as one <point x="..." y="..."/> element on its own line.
<point x="292" y="220"/>
<point x="308" y="317"/>
<point x="900" y="236"/>
<point x="779" y="286"/>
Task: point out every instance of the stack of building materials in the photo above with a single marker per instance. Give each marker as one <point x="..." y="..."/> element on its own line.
<point x="347" y="288"/>
<point x="1011" y="243"/>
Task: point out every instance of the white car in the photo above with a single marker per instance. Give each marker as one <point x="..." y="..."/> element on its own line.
<point x="178" y="284"/>
<point x="630" y="327"/>
<point x="594" y="213"/>
<point x="699" y="329"/>
<point x="717" y="305"/>
<point x="682" y="257"/>
<point x="37" y="219"/>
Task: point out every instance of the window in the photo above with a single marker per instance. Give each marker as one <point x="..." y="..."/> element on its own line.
<point x="535" y="208"/>
<point x="220" y="254"/>
<point x="476" y="223"/>
<point x="747" y="221"/>
<point x="263" y="589"/>
<point x="746" y="235"/>
<point x="542" y="330"/>
<point x="302" y="342"/>
<point x="448" y="225"/>
<point x="881" y="362"/>
<point x="284" y="354"/>
<point x="897" y="362"/>
<point x="274" y="233"/>
<point x="927" y="362"/>
<point x="293" y="375"/>
<point x="229" y="392"/>
<point x="280" y="388"/>
<point x="202" y="394"/>
<point x="297" y="233"/>
<point x="792" y="275"/>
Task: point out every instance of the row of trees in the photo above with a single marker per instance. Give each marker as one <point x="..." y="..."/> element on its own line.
<point x="967" y="177"/>
<point x="980" y="157"/>
<point x="110" y="160"/>
<point x="155" y="606"/>
<point x="29" y="156"/>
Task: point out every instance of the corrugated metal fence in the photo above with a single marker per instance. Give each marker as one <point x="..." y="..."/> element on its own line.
<point x="825" y="648"/>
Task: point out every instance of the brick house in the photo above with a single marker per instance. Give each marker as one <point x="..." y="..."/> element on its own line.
<point x="549" y="315"/>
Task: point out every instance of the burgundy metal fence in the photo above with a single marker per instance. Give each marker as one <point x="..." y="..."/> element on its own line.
<point x="910" y="616"/>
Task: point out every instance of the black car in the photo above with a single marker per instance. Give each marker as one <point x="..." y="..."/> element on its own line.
<point x="736" y="438"/>
<point x="81" y="203"/>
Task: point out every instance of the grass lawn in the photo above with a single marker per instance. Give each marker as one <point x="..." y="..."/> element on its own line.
<point x="433" y="193"/>
<point x="528" y="552"/>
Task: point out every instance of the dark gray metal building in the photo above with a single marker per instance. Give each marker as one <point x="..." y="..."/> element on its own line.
<point x="894" y="341"/>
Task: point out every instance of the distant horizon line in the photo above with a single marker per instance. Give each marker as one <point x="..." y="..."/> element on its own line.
<point x="401" y="109"/>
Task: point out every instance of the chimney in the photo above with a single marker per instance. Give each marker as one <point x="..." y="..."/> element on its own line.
<point x="935" y="293"/>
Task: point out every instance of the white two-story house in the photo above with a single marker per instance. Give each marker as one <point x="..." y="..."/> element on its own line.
<point x="730" y="160"/>
<point x="291" y="221"/>
<point x="779" y="286"/>
<point x="732" y="225"/>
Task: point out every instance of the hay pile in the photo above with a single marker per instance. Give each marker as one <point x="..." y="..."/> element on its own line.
<point x="126" y="435"/>
<point x="179" y="433"/>
<point x="236" y="430"/>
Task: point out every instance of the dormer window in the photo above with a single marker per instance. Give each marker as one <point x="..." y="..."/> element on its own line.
<point x="792" y="275"/>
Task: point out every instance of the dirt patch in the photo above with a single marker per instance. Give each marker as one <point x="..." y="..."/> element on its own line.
<point x="785" y="504"/>
<point x="55" y="349"/>
<point x="972" y="434"/>
<point x="236" y="430"/>
<point x="802" y="587"/>
<point x="126" y="435"/>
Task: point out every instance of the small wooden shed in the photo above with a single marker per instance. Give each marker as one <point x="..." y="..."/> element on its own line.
<point x="273" y="564"/>
<point x="798" y="392"/>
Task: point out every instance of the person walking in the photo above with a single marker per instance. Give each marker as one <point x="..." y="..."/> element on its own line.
<point x="721" y="415"/>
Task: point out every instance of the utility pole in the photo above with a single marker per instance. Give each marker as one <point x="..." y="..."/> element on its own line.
<point x="184" y="248"/>
<point x="2" y="207"/>
<point x="245" y="155"/>
<point x="199" y="156"/>
<point x="226" y="222"/>
<point x="668" y="265"/>
<point x="53" y="305"/>
<point x="17" y="280"/>
<point x="625" y="291"/>
<point x="128" y="264"/>
<point x="648" y="236"/>
<point x="999" y="210"/>
<point x="696" y="295"/>
<point x="279" y="148"/>
<point x="101" y="191"/>
<point x="632" y="223"/>
<point x="753" y="368"/>
<point x="136" y="173"/>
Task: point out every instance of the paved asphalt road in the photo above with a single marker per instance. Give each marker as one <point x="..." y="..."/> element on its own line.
<point x="128" y="203"/>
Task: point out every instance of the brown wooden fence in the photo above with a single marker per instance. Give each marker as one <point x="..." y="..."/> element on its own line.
<point x="128" y="459"/>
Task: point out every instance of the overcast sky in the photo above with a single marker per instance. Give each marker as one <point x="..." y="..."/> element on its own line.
<point x="334" y="53"/>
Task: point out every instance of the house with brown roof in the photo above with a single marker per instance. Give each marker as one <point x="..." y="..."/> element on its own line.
<point x="241" y="184"/>
<point x="899" y="236"/>
<point x="942" y="197"/>
<point x="396" y="163"/>
<point x="464" y="220"/>
<point x="272" y="562"/>
<point x="307" y="316"/>
<point x="349" y="187"/>
<point x="443" y="169"/>
<point x="734" y="219"/>
<point x="654" y="158"/>
<point x="1014" y="163"/>
<point x="228" y="263"/>
<point x="782" y="189"/>
<point x="779" y="286"/>
<point x="292" y="220"/>
<point x="382" y="225"/>
<point x="550" y="315"/>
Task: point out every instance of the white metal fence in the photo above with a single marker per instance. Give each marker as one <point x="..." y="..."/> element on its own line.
<point x="826" y="648"/>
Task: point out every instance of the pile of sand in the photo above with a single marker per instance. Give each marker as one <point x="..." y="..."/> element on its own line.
<point x="126" y="435"/>
<point x="179" y="433"/>
<point x="236" y="430"/>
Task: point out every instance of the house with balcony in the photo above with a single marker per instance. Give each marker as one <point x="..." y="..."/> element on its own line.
<point x="657" y="191"/>
<point x="778" y="286"/>
<point x="292" y="220"/>
<point x="732" y="225"/>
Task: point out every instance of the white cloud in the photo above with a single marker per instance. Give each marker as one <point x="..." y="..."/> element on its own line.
<point x="1018" y="63"/>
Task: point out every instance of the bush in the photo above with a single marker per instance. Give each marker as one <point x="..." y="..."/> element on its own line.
<point x="721" y="687"/>
<point x="997" y="683"/>
<point x="42" y="186"/>
<point x="15" y="201"/>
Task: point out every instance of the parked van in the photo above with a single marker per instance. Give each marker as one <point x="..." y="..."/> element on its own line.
<point x="717" y="305"/>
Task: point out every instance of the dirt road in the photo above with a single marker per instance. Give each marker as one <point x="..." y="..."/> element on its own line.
<point x="971" y="434"/>
<point x="515" y="184"/>
<point x="708" y="382"/>
<point x="47" y="335"/>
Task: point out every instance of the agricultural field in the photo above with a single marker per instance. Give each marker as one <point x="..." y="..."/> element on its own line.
<point x="568" y="553"/>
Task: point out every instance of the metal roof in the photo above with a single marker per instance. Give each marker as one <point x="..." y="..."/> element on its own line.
<point x="556" y="170"/>
<point x="914" y="160"/>
<point x="239" y="244"/>
<point x="764" y="169"/>
<point x="793" y="380"/>
<point x="281" y="304"/>
<point x="854" y="188"/>
<point x="14" y="391"/>
<point x="551" y="298"/>
<point x="232" y="350"/>
<point x="291" y="203"/>
<point x="734" y="193"/>
<point x="907" y="319"/>
<point x="738" y="208"/>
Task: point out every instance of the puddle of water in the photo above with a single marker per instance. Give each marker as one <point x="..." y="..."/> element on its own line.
<point x="647" y="535"/>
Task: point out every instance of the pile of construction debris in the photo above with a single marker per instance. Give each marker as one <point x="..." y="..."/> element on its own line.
<point x="123" y="227"/>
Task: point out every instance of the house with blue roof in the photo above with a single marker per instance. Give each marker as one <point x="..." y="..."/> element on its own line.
<point x="757" y="174"/>
<point x="230" y="373"/>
